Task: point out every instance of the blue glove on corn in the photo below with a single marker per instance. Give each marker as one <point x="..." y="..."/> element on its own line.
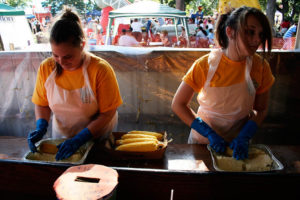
<point x="215" y="141"/>
<point x="37" y="134"/>
<point x="70" y="146"/>
<point x="240" y="144"/>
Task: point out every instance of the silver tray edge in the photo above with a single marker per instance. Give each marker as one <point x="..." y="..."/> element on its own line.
<point x="81" y="161"/>
<point x="279" y="165"/>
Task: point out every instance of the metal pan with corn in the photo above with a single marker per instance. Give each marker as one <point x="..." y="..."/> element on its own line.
<point x="137" y="145"/>
<point x="140" y="141"/>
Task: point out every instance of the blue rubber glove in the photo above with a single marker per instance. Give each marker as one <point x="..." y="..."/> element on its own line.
<point x="70" y="146"/>
<point x="240" y="144"/>
<point x="215" y="141"/>
<point x="37" y="134"/>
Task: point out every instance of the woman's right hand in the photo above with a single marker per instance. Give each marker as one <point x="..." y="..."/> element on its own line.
<point x="36" y="135"/>
<point x="217" y="142"/>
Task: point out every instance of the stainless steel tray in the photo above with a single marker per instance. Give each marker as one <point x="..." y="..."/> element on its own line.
<point x="276" y="164"/>
<point x="77" y="158"/>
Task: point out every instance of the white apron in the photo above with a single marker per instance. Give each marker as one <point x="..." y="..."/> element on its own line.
<point x="224" y="109"/>
<point x="72" y="110"/>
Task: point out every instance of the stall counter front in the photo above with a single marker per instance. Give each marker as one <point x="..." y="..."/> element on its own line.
<point x="185" y="172"/>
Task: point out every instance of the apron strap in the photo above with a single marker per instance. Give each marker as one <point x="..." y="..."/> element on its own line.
<point x="213" y="62"/>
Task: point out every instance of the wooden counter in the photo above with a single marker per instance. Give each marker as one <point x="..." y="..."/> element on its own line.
<point x="185" y="169"/>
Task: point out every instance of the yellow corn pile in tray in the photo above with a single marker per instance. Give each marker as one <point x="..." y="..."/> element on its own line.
<point x="140" y="141"/>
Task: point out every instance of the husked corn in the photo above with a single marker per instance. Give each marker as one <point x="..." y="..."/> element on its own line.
<point x="126" y="136"/>
<point x="131" y="140"/>
<point x="159" y="136"/>
<point x="139" y="146"/>
<point x="48" y="148"/>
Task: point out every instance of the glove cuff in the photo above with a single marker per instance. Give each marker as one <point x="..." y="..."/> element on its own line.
<point x="201" y="127"/>
<point x="248" y="130"/>
<point x="41" y="124"/>
<point x="84" y="135"/>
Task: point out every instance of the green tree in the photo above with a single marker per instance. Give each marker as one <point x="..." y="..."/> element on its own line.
<point x="290" y="9"/>
<point x="80" y="6"/>
<point x="18" y="3"/>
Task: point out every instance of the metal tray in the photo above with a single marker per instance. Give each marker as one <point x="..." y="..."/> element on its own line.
<point x="79" y="158"/>
<point x="276" y="164"/>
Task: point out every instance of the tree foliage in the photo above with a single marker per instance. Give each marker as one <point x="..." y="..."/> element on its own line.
<point x="290" y="9"/>
<point x="80" y="5"/>
<point x="18" y="3"/>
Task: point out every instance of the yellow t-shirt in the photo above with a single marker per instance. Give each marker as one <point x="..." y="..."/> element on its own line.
<point x="101" y="76"/>
<point x="230" y="72"/>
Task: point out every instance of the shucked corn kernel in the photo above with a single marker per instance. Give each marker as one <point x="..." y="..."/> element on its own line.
<point x="48" y="148"/>
<point x="139" y="146"/>
<point x="159" y="136"/>
<point x="131" y="140"/>
<point x="126" y="136"/>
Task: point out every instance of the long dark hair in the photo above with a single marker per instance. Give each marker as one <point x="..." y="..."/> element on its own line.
<point x="236" y="20"/>
<point x="67" y="29"/>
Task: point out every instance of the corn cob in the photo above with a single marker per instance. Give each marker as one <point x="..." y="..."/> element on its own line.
<point x="159" y="136"/>
<point x="139" y="146"/>
<point x="126" y="136"/>
<point x="131" y="140"/>
<point x="48" y="148"/>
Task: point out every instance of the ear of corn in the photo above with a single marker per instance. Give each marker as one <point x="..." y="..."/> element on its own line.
<point x="139" y="146"/>
<point x="126" y="136"/>
<point x="131" y="140"/>
<point x="48" y="148"/>
<point x="159" y="136"/>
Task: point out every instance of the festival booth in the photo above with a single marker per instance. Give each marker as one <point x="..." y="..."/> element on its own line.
<point x="145" y="9"/>
<point x="15" y="33"/>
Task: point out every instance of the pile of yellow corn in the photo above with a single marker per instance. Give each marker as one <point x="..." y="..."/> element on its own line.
<point x="140" y="141"/>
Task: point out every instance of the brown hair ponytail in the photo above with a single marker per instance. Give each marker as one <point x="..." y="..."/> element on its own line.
<point x="221" y="36"/>
<point x="236" y="20"/>
<point x="67" y="28"/>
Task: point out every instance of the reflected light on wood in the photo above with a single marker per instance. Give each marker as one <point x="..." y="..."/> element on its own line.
<point x="297" y="166"/>
<point x="193" y="165"/>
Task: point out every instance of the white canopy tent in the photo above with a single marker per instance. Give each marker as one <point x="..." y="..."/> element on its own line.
<point x="145" y="9"/>
<point x="15" y="32"/>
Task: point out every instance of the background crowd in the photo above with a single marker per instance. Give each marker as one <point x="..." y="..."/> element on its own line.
<point x="161" y="32"/>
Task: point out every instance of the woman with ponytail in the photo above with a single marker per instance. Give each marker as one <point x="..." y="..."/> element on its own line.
<point x="232" y="82"/>
<point x="79" y="88"/>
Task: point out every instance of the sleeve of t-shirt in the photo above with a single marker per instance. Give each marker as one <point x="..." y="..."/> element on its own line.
<point x="108" y="93"/>
<point x="195" y="76"/>
<point x="267" y="79"/>
<point x="39" y="96"/>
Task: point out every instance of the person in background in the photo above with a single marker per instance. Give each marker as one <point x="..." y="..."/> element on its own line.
<point x="137" y="29"/>
<point x="199" y="12"/>
<point x="164" y="36"/>
<point x="128" y="40"/>
<point x="211" y="36"/>
<point x="287" y="37"/>
<point x="284" y="26"/>
<point x="79" y="88"/>
<point x="232" y="83"/>
<point x="209" y="24"/>
<point x="201" y="38"/>
<point x="182" y="40"/>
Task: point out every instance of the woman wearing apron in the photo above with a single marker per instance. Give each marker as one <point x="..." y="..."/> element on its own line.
<point x="80" y="89"/>
<point x="232" y="83"/>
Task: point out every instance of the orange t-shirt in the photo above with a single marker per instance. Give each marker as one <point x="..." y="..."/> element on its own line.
<point x="102" y="79"/>
<point x="230" y="72"/>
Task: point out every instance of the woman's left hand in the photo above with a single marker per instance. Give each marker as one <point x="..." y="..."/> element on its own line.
<point x="70" y="146"/>
<point x="241" y="143"/>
